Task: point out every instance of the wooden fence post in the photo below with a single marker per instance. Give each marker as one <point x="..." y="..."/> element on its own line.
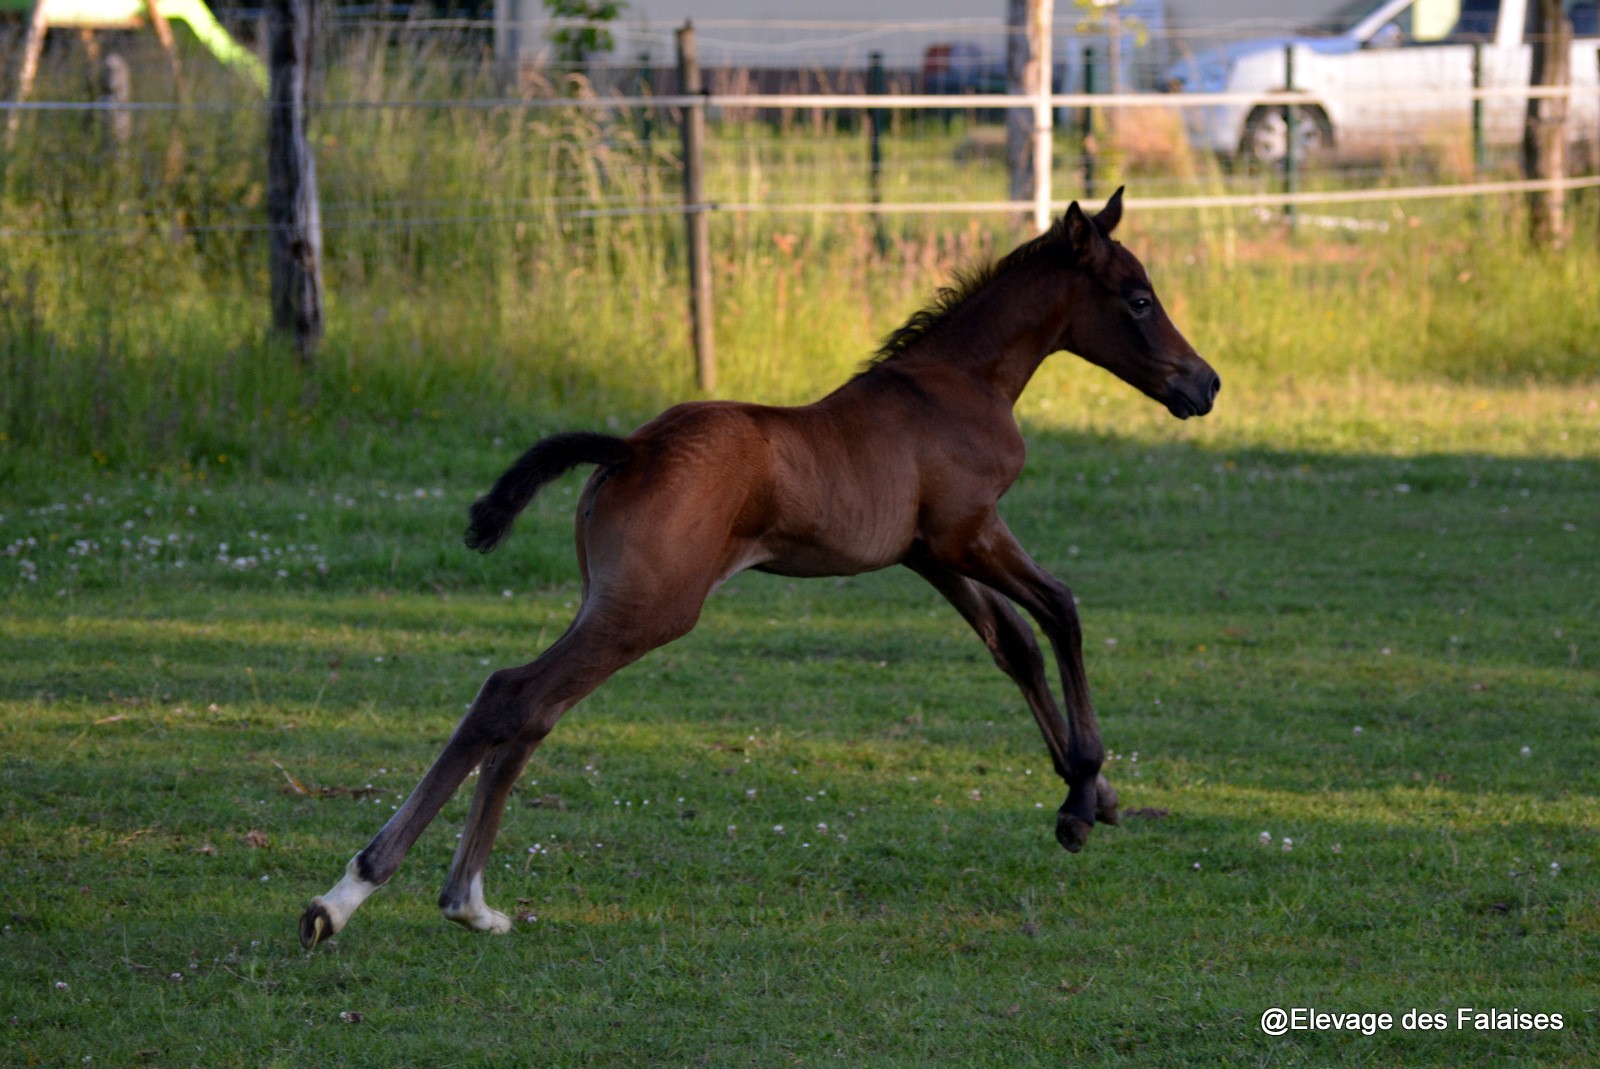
<point x="116" y="84"/>
<point x="1029" y="72"/>
<point x="694" y="212"/>
<point x="1544" y="137"/>
<point x="294" y="217"/>
<point x="1041" y="29"/>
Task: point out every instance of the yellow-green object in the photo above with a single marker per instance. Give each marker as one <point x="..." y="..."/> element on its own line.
<point x="104" y="14"/>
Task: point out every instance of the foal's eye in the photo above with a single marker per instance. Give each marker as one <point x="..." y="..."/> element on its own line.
<point x="1140" y="305"/>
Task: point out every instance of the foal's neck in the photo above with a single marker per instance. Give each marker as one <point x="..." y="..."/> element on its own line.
<point x="1005" y="330"/>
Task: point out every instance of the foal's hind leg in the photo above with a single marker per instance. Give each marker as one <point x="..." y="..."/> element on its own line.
<point x="535" y="696"/>
<point x="1016" y="652"/>
<point x="463" y="902"/>
<point x="373" y="866"/>
<point x="513" y="712"/>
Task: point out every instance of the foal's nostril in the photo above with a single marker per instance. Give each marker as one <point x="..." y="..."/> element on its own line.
<point x="1214" y="387"/>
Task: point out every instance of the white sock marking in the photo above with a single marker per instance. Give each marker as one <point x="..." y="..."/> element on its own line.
<point x="346" y="895"/>
<point x="476" y="914"/>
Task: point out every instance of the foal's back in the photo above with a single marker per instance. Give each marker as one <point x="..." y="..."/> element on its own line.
<point x="836" y="487"/>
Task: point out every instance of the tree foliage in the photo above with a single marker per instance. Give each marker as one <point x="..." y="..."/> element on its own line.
<point x="575" y="42"/>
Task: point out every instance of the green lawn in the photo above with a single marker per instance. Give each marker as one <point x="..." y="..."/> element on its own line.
<point x="1349" y="680"/>
<point x="1343" y="634"/>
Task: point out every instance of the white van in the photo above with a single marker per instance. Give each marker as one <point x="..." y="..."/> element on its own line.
<point x="1396" y="54"/>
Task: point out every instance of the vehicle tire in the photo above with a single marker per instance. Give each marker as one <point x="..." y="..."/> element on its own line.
<point x="1266" y="136"/>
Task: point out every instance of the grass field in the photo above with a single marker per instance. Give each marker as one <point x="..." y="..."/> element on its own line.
<point x="1343" y="634"/>
<point x="1351" y="693"/>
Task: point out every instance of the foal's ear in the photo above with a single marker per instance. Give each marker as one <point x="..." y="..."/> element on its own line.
<point x="1111" y="214"/>
<point x="1081" y="232"/>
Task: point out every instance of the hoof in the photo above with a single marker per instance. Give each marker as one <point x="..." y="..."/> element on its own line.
<point x="316" y="924"/>
<point x="482" y="919"/>
<point x="1105" y="798"/>
<point x="327" y="913"/>
<point x="1071" y="832"/>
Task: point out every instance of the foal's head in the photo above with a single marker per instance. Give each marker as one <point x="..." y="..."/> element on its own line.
<point x="1118" y="323"/>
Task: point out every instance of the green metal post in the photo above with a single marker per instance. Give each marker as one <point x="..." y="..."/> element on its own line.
<point x="877" y="119"/>
<point x="646" y="115"/>
<point x="1088" y="125"/>
<point x="1478" y="158"/>
<point x="1291" y="124"/>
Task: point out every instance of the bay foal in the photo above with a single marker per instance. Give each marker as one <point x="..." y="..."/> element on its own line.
<point x="903" y="464"/>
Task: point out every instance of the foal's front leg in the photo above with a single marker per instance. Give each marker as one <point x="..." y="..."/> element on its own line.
<point x="991" y="556"/>
<point x="1016" y="653"/>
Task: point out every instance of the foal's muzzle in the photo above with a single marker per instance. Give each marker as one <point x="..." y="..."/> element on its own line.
<point x="1193" y="394"/>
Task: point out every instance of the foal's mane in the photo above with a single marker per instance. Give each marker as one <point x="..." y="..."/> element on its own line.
<point x="949" y="299"/>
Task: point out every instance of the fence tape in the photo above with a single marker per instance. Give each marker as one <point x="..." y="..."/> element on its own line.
<point x="901" y="101"/>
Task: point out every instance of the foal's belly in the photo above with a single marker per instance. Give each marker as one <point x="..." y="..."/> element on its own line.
<point x="850" y="554"/>
<point x="809" y="566"/>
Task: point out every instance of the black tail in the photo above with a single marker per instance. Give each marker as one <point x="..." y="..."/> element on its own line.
<point x="493" y="513"/>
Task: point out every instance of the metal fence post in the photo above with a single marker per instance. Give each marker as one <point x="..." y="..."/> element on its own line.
<point x="646" y="89"/>
<point x="1088" y="124"/>
<point x="1478" y="154"/>
<point x="1291" y="131"/>
<point x="694" y="212"/>
<point x="877" y="119"/>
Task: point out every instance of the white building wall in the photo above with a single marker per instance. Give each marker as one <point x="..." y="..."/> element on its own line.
<point x="842" y="33"/>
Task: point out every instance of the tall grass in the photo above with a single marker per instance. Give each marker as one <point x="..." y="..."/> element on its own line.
<point x="474" y="288"/>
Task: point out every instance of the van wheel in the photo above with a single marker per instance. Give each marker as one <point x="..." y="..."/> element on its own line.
<point x="1266" y="136"/>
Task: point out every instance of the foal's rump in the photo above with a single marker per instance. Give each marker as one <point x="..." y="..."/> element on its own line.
<point x="688" y="508"/>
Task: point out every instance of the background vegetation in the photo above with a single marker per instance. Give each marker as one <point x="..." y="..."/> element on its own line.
<point x="1343" y="632"/>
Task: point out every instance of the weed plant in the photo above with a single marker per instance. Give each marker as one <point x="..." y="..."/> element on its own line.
<point x="478" y="283"/>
